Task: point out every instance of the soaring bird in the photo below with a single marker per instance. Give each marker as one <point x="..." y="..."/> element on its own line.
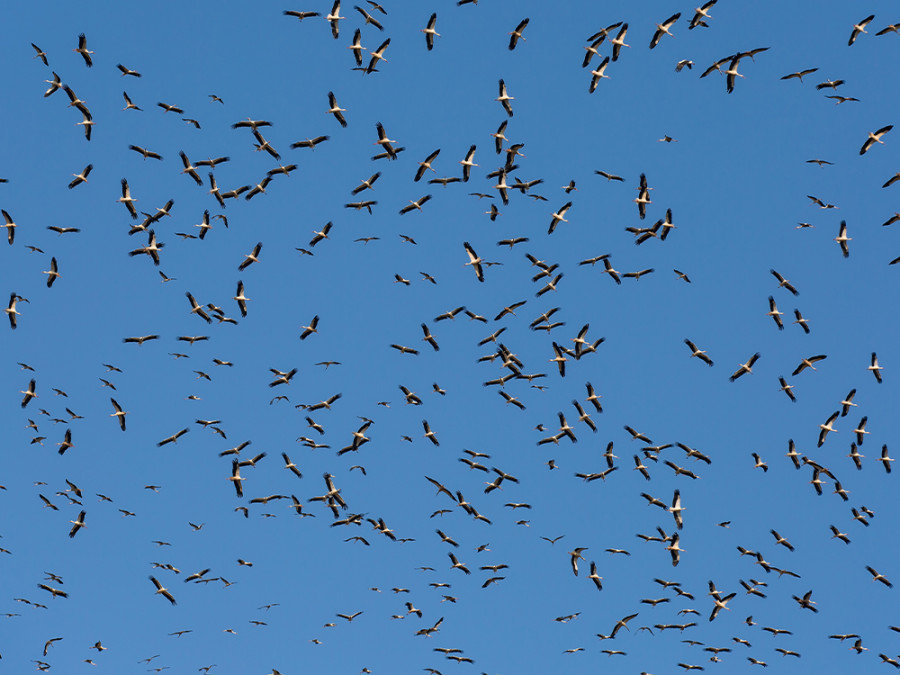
<point x="663" y="29"/>
<point x="842" y="239"/>
<point x="745" y="368"/>
<point x="77" y="524"/>
<point x="875" y="137"/>
<point x="119" y="413"/>
<point x="84" y="51"/>
<point x="334" y="109"/>
<point x="515" y="35"/>
<point x="575" y="556"/>
<point x="504" y="98"/>
<point x="859" y="28"/>
<point x="162" y="591"/>
<point x="431" y="33"/>
<point x="474" y="261"/>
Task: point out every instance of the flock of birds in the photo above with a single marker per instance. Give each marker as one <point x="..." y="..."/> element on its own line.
<point x="326" y="498"/>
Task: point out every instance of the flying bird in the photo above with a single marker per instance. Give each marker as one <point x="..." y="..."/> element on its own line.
<point x="663" y="29"/>
<point x="162" y="591"/>
<point x="84" y="51"/>
<point x="430" y="32"/>
<point x="859" y="28"/>
<point x="875" y="137"/>
<point x="516" y="34"/>
<point x="745" y="368"/>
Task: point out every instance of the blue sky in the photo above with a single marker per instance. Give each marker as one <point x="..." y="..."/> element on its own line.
<point x="736" y="178"/>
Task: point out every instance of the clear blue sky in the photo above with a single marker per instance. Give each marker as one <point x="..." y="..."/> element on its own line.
<point x="736" y="177"/>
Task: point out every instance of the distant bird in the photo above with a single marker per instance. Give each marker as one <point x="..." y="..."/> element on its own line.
<point x="875" y="137"/>
<point x="336" y="110"/>
<point x="430" y="32"/>
<point x="575" y="556"/>
<point x="745" y="367"/>
<point x="559" y="217"/>
<point x="800" y="74"/>
<point x="415" y="205"/>
<point x="808" y="363"/>
<point x="119" y="413"/>
<point x="377" y="55"/>
<point x="879" y="577"/>
<point x="77" y="524"/>
<point x="514" y="36"/>
<point x="251" y="258"/>
<point x="700" y="354"/>
<point x="43" y="57"/>
<point x="81" y="177"/>
<point x="875" y="368"/>
<point x="842" y="239"/>
<point x="827" y="427"/>
<point x="663" y="29"/>
<point x="504" y="98"/>
<point x="370" y="20"/>
<point x="619" y="41"/>
<point x="84" y="51"/>
<point x="10" y="226"/>
<point x="162" y="591"/>
<point x="298" y="15"/>
<point x="859" y="28"/>
<point x="127" y="71"/>
<point x="311" y="328"/>
<point x="12" y="313"/>
<point x="701" y="14"/>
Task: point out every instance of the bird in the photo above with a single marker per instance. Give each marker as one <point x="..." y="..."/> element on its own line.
<point x="320" y="234"/>
<point x="800" y="75"/>
<point x="619" y="41"/>
<point x="310" y="143"/>
<point x="559" y="217"/>
<point x="368" y="17"/>
<point x="875" y="137"/>
<point x="575" y="556"/>
<point x="77" y="524"/>
<point x="885" y="459"/>
<point x="827" y="427"/>
<point x="514" y="36"/>
<point x="173" y="438"/>
<point x="699" y="353"/>
<point x="808" y="363"/>
<point x="745" y="368"/>
<point x="842" y="239"/>
<point x="377" y="55"/>
<point x="10" y="226"/>
<point x="251" y="258"/>
<point x="311" y="328"/>
<point x="415" y="205"/>
<point x="298" y="15"/>
<point x="879" y="577"/>
<point x="430" y="32"/>
<point x="334" y="109"/>
<point x="663" y="29"/>
<point x="426" y="165"/>
<point x="127" y="199"/>
<point x="119" y="413"/>
<point x="859" y="28"/>
<point x="787" y="389"/>
<point x="784" y="283"/>
<point x="504" y="98"/>
<point x="874" y="367"/>
<point x="81" y="177"/>
<point x="162" y="591"/>
<point x="84" y="51"/>
<point x="474" y="261"/>
<point x="43" y="57"/>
